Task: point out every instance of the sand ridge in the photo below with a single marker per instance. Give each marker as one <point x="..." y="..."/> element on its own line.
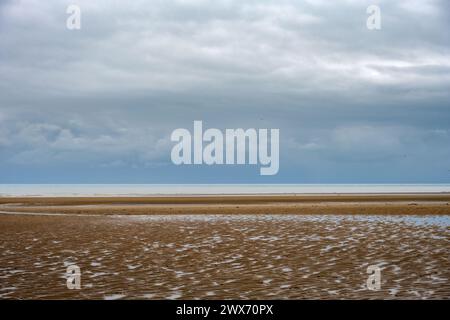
<point x="405" y="204"/>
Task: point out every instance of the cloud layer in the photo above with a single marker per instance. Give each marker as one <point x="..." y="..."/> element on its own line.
<point x="99" y="104"/>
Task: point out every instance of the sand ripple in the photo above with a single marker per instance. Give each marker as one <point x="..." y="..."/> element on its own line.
<point x="225" y="257"/>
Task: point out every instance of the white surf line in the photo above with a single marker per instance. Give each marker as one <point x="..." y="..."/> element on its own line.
<point x="50" y="214"/>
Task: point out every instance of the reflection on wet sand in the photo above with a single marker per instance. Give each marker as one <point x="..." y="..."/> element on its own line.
<point x="224" y="257"/>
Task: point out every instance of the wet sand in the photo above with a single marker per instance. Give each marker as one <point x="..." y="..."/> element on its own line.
<point x="404" y="204"/>
<point x="146" y="255"/>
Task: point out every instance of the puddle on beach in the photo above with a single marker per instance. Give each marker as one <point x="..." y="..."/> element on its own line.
<point x="225" y="257"/>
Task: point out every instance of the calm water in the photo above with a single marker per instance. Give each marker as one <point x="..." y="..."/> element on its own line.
<point x="171" y="189"/>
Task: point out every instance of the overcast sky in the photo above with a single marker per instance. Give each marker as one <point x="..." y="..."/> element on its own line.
<point x="98" y="105"/>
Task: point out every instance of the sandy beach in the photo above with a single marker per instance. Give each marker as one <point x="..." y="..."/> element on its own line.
<point x="226" y="247"/>
<point x="404" y="204"/>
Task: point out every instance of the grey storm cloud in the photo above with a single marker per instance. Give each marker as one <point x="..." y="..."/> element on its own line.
<point x="349" y="102"/>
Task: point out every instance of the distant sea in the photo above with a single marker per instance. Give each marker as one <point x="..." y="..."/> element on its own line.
<point x="209" y="189"/>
